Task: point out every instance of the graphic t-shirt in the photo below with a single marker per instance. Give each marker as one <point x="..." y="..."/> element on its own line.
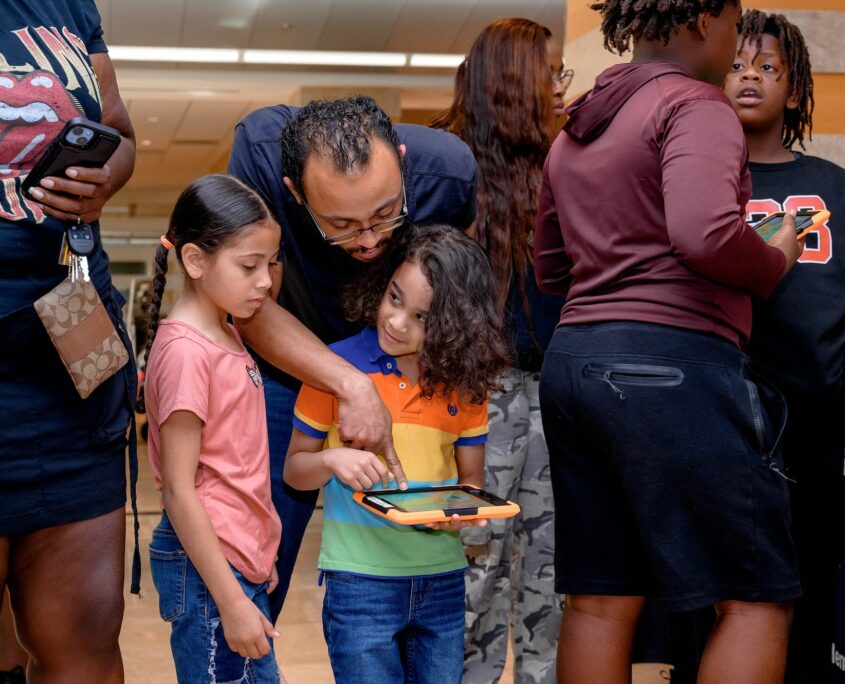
<point x="798" y="335"/>
<point x="46" y="79"/>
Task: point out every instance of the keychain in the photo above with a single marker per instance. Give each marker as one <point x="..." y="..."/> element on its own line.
<point x="80" y="238"/>
<point x="77" y="244"/>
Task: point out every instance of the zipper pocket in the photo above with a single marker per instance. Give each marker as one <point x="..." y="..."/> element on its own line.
<point x="633" y="375"/>
<point x="768" y="454"/>
<point x="756" y="415"/>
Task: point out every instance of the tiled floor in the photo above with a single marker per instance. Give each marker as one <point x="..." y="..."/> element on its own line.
<point x="301" y="651"/>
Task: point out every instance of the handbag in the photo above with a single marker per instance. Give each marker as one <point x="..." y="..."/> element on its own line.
<point x="81" y="330"/>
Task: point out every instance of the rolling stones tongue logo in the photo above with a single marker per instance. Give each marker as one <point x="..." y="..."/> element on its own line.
<point x="33" y="109"/>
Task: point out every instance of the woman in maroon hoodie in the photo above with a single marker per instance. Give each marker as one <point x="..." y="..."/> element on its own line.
<point x="663" y="445"/>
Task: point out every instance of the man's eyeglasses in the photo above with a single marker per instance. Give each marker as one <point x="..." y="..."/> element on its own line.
<point x="381" y="227"/>
<point x="563" y="77"/>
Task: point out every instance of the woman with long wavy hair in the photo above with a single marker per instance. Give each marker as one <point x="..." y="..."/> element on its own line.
<point x="508" y="93"/>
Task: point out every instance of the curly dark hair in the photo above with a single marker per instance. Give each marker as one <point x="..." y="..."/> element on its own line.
<point x="464" y="349"/>
<point x="793" y="50"/>
<point x="503" y="111"/>
<point x="626" y="20"/>
<point x="338" y="130"/>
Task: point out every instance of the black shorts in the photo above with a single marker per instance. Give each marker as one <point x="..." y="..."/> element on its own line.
<point x="666" y="468"/>
<point x="62" y="458"/>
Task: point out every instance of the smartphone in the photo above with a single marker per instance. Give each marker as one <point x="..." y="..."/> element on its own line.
<point x="80" y="143"/>
<point x="805" y="221"/>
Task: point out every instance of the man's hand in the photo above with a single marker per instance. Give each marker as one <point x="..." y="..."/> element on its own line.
<point x="365" y="423"/>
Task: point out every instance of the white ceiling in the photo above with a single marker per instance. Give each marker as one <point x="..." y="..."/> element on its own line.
<point x="184" y="114"/>
<point x="371" y="25"/>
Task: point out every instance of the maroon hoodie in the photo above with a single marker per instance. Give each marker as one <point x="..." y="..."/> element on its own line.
<point x="641" y="209"/>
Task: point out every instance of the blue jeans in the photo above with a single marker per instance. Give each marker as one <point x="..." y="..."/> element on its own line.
<point x="403" y="630"/>
<point x="294" y="507"/>
<point x="199" y="648"/>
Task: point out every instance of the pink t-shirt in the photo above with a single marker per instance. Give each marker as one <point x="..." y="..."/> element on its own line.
<point x="187" y="371"/>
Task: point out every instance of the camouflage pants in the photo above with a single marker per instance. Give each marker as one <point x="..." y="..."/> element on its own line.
<point x="510" y="581"/>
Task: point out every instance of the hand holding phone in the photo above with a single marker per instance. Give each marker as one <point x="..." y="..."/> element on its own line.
<point x="81" y="144"/>
<point x="790" y="236"/>
<point x="805" y="221"/>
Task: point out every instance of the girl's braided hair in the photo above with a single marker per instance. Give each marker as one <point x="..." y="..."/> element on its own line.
<point x="209" y="213"/>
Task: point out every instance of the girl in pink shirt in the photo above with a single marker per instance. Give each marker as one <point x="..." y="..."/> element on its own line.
<point x="212" y="555"/>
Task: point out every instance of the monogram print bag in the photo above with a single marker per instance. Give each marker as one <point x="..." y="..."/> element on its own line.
<point x="81" y="331"/>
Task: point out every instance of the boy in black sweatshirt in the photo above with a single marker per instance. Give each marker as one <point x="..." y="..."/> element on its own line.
<point x="798" y="334"/>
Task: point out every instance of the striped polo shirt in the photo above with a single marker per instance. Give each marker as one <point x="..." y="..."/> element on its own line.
<point x="425" y="434"/>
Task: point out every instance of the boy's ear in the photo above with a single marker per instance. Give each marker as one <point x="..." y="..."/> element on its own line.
<point x="193" y="260"/>
<point x="793" y="102"/>
<point x="702" y="24"/>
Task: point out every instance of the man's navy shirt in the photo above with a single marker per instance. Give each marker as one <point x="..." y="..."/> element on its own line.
<point x="439" y="172"/>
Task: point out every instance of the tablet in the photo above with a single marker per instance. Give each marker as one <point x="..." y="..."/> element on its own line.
<point x="805" y="221"/>
<point x="435" y="504"/>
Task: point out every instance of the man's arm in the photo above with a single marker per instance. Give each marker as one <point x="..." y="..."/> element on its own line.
<point x="278" y="336"/>
<point x="363" y="420"/>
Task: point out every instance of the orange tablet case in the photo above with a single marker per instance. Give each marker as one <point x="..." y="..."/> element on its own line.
<point x="372" y="501"/>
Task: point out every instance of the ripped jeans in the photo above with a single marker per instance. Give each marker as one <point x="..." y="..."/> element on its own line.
<point x="199" y="648"/>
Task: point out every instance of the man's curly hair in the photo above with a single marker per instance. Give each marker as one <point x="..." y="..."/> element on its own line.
<point x="464" y="349"/>
<point x="793" y="50"/>
<point x="627" y="20"/>
<point x="341" y="131"/>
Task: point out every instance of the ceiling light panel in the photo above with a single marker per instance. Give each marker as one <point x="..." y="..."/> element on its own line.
<point x="429" y="60"/>
<point x="325" y="58"/>
<point x="133" y="53"/>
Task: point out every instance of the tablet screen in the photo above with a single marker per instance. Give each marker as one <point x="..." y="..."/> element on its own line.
<point x="415" y="502"/>
<point x="768" y="227"/>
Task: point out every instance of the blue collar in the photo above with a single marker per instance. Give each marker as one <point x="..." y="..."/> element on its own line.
<point x="375" y="355"/>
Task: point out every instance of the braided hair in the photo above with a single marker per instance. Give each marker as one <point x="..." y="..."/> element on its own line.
<point x="208" y="213"/>
<point x="651" y="20"/>
<point x="752" y="27"/>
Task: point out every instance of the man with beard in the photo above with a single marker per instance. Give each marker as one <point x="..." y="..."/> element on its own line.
<point x="344" y="180"/>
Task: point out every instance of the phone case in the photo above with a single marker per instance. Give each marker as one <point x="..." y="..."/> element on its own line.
<point x="502" y="509"/>
<point x="766" y="227"/>
<point x="62" y="153"/>
<point x="818" y="219"/>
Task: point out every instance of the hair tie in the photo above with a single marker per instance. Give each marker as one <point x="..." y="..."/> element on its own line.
<point x="167" y="244"/>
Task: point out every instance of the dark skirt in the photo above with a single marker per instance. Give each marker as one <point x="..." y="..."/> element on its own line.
<point x="62" y="458"/>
